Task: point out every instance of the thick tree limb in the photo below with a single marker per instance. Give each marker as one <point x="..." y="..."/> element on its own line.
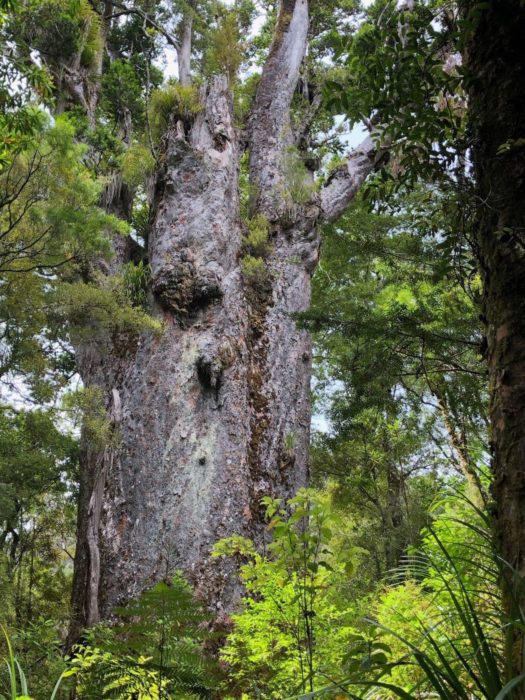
<point x="269" y="124"/>
<point x="344" y="183"/>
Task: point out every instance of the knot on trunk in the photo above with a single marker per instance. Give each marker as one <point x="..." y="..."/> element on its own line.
<point x="209" y="371"/>
<point x="183" y="288"/>
<point x="211" y="364"/>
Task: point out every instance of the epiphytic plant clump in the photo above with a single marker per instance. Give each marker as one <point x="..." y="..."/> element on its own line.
<point x="172" y="103"/>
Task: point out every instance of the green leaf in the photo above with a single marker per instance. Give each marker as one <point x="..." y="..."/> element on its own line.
<point x="503" y="693"/>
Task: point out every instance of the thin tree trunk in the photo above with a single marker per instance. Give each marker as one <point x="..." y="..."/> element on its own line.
<point x="476" y="491"/>
<point x="395" y="541"/>
<point x="184" y="50"/>
<point x="495" y="64"/>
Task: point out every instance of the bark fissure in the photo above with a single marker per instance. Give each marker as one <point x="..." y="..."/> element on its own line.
<point x="94" y="512"/>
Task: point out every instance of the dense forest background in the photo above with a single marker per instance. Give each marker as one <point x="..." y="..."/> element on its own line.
<point x="202" y="204"/>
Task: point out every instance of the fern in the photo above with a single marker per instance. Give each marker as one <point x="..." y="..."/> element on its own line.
<point x="155" y="650"/>
<point x="460" y="655"/>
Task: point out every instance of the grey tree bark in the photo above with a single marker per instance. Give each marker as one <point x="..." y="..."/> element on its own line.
<point x="214" y="413"/>
<point x="184" y="47"/>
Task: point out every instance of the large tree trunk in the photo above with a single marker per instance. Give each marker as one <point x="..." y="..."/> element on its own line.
<point x="200" y="412"/>
<point x="213" y="413"/>
<point x="495" y="64"/>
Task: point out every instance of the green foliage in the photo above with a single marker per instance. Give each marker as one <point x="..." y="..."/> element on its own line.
<point x="20" y="79"/>
<point x="112" y="306"/>
<point x="404" y="67"/>
<point x="174" y="101"/>
<point x="137" y="164"/>
<point x="155" y="650"/>
<point x="140" y="220"/>
<point x="87" y="405"/>
<point x="16" y="677"/>
<point x="289" y="443"/>
<point x="256" y="241"/>
<point x="104" y="143"/>
<point x="450" y="597"/>
<point x="243" y="95"/>
<point x="441" y="628"/>
<point x="37" y="463"/>
<point x="399" y="335"/>
<point x="256" y="248"/>
<point x="247" y="190"/>
<point x="254" y="270"/>
<point x="122" y="93"/>
<point x="101" y="674"/>
<point x="51" y="227"/>
<point x="38" y="649"/>
<point x="298" y="181"/>
<point x="293" y="629"/>
<point x="48" y="212"/>
<point x="33" y="455"/>
<point x="136" y="278"/>
<point x="60" y="30"/>
<point x="227" y="49"/>
<point x="330" y="20"/>
<point x="136" y="40"/>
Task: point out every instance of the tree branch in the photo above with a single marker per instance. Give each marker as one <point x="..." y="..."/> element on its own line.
<point x="344" y="183"/>
<point x="125" y="10"/>
<point x="184" y="48"/>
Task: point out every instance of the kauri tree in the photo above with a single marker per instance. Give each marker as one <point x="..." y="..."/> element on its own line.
<point x="206" y="411"/>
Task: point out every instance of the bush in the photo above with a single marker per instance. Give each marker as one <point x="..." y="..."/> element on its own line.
<point x="137" y="164"/>
<point x="180" y="101"/>
<point x="441" y="629"/>
<point x="155" y="649"/>
<point x="256" y="241"/>
<point x="254" y="270"/>
<point x="294" y="628"/>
